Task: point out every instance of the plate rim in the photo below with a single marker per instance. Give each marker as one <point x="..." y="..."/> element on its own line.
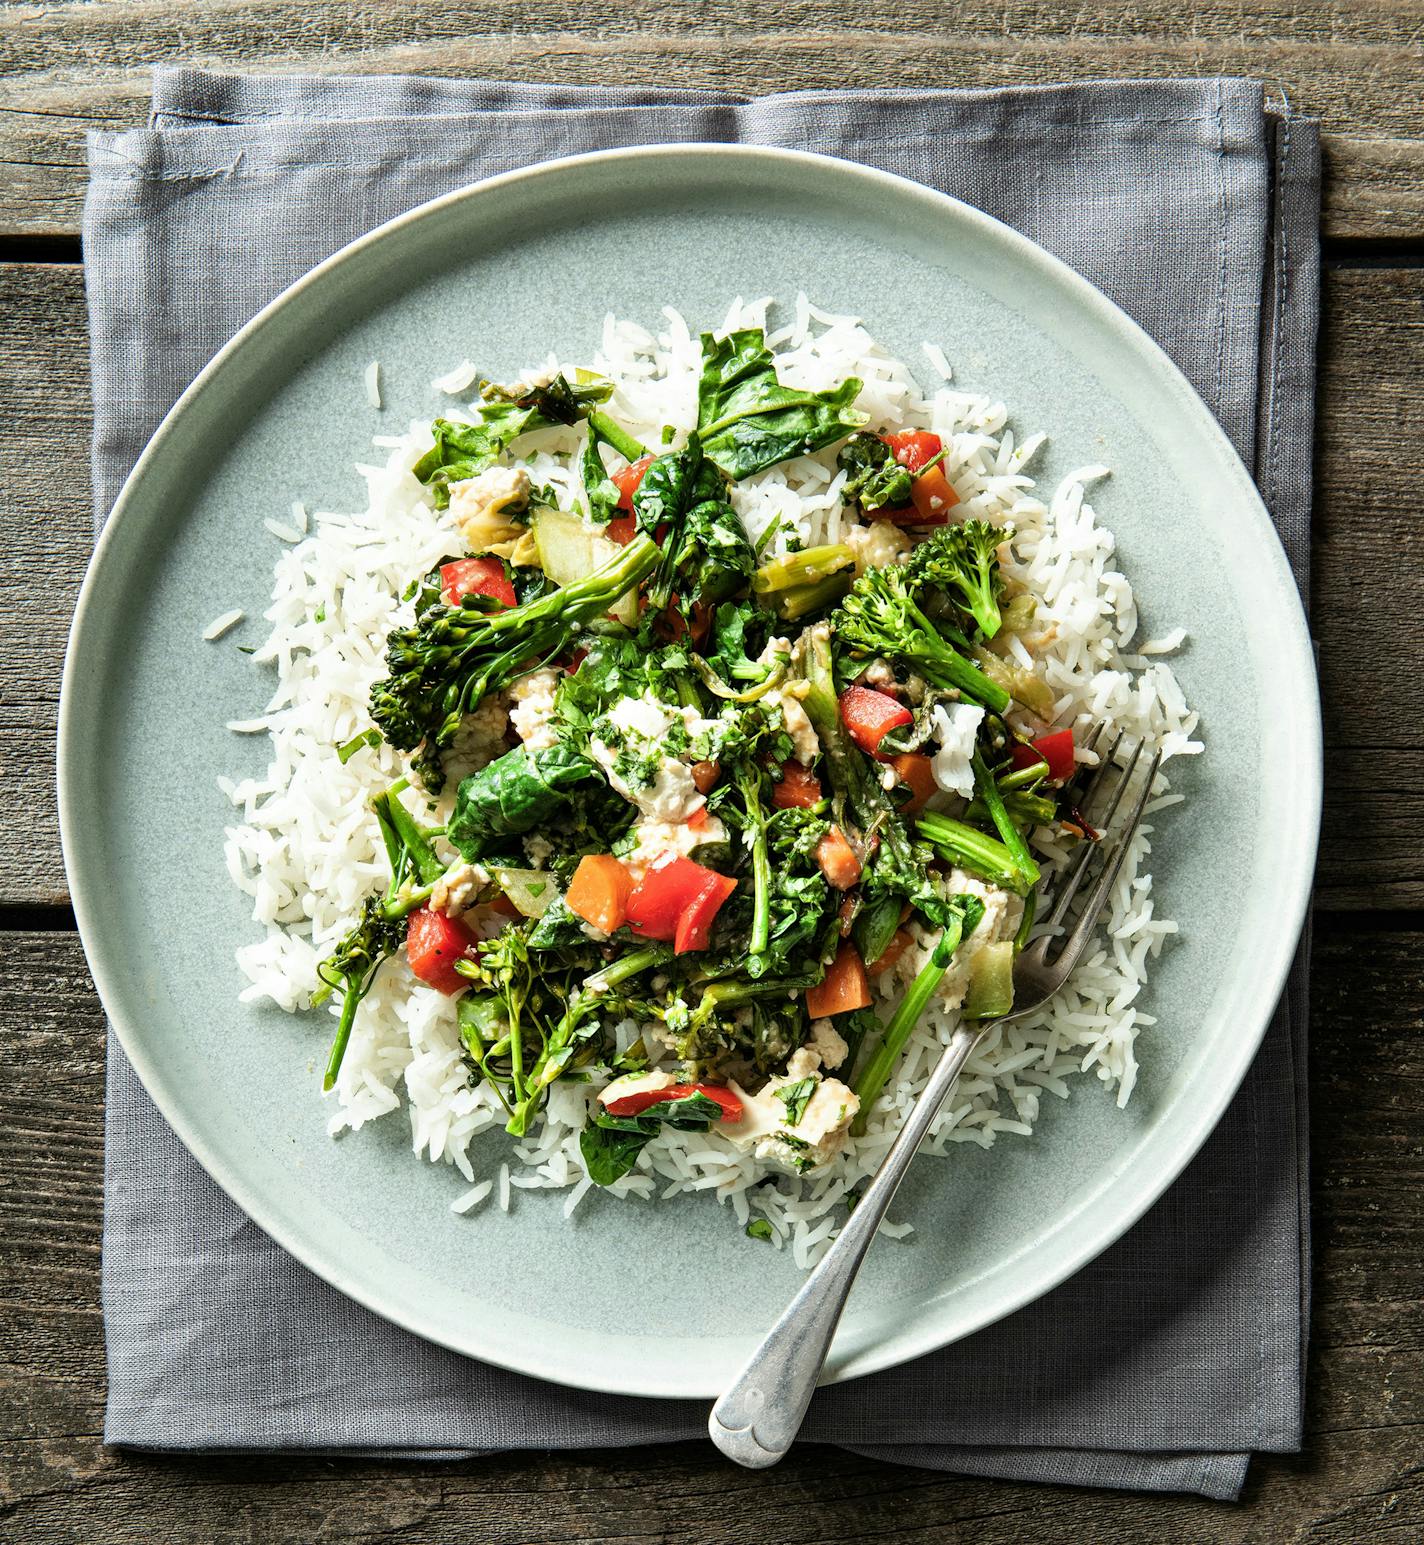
<point x="1279" y="952"/>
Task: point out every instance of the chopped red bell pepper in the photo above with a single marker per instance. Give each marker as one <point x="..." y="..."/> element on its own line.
<point x="694" y="927"/>
<point x="639" y="1100"/>
<point x="1055" y="749"/>
<point x="933" y="497"/>
<point x="626" y="481"/>
<point x="870" y="716"/>
<point x="476" y="576"/>
<point x="433" y="943"/>
<point x="668" y="890"/>
<point x="912" y="448"/>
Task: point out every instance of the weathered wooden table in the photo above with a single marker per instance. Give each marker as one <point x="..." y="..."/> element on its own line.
<point x="73" y="66"/>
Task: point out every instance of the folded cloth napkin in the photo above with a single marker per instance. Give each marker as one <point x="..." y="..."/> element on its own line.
<point x="1163" y="1364"/>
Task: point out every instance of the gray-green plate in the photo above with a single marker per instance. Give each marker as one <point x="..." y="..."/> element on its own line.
<point x="663" y="1299"/>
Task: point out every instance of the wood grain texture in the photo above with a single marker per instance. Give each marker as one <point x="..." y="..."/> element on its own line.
<point x="1359" y="1479"/>
<point x="1357" y="65"/>
<point x="1369" y="554"/>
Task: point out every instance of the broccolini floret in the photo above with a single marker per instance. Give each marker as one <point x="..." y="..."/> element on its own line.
<point x="883" y="616"/>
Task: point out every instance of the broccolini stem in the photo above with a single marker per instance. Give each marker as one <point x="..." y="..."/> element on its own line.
<point x="423" y="856"/>
<point x="807" y="567"/>
<point x="1023" y="777"/>
<point x="350" y="1002"/>
<point x="988" y="791"/>
<point x="973" y="850"/>
<point x="903" y="1021"/>
<point x="803" y="600"/>
<point x="613" y="433"/>
<point x="760" y="940"/>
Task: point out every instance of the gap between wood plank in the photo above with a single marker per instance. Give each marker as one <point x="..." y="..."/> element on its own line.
<point x="1336" y="252"/>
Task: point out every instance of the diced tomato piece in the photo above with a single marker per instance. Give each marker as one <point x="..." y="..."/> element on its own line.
<point x="915" y="770"/>
<point x="476" y="576"/>
<point x="1055" y="749"/>
<point x="626" y="481"/>
<point x="642" y="1099"/>
<point x="621" y="529"/>
<point x="844" y="987"/>
<point x="870" y="716"/>
<point x="433" y="943"/>
<point x="664" y="893"/>
<point x="599" y="891"/>
<point x="839" y="862"/>
<point x="798" y="789"/>
<point x="912" y="448"/>
<point x="698" y="819"/>
<point x="694" y="927"/>
<point x="900" y="941"/>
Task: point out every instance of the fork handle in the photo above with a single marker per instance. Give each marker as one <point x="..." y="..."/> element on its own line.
<point x="757" y="1419"/>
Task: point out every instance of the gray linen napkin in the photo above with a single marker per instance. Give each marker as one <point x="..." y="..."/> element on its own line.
<point x="1163" y="1364"/>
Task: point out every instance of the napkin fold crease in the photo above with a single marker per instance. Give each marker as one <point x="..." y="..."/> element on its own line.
<point x="1166" y="1362"/>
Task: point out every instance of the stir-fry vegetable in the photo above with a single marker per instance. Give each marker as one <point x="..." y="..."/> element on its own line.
<point x="720" y="818"/>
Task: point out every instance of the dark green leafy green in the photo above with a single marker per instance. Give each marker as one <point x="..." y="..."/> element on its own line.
<point x="553" y="787"/>
<point x="874" y="479"/>
<point x="611" y="1144"/>
<point x="749" y="421"/>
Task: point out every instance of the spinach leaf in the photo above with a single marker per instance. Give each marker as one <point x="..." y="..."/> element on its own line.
<point x="464" y="450"/>
<point x="749" y="421"/>
<point x="873" y="477"/>
<point x="610" y="1147"/>
<point x="558" y="928"/>
<point x="608" y="1154"/>
<point x="682" y="501"/>
<point x="796" y="1097"/>
<point x="516" y="793"/>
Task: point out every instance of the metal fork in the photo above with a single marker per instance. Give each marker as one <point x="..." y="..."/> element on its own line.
<point x="757" y="1419"/>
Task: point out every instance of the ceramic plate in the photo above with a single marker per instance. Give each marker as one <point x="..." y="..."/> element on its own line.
<point x="142" y="741"/>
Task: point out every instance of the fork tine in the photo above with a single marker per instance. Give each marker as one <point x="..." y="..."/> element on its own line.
<point x="1102" y="886"/>
<point x="1074" y="877"/>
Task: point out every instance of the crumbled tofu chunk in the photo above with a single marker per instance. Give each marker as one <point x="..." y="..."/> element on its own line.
<point x="481" y="505"/>
<point x="532" y="713"/>
<point x="806" y="747"/>
<point x="828" y="1043"/>
<point x="1002" y="914"/>
<point x="815" y="1137"/>
<point x="662" y="839"/>
<point x="877" y="545"/>
<point x="455" y="891"/>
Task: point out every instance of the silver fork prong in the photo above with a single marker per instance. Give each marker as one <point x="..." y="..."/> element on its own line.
<point x="1102" y="887"/>
<point x="1073" y="877"/>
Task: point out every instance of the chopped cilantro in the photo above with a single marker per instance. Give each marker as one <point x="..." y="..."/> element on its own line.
<point x="796" y="1097"/>
<point x="759" y="1228"/>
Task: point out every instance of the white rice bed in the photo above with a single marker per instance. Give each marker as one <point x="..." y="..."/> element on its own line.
<point x="307" y="853"/>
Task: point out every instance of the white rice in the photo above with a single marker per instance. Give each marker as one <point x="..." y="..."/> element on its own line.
<point x="220" y="625"/>
<point x="306" y="853"/>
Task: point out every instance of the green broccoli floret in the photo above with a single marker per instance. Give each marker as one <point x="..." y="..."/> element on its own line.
<point x="882" y="616"/>
<point x="963" y="561"/>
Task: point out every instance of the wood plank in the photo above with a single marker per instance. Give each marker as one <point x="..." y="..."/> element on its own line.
<point x="78" y="66"/>
<point x="1369" y="552"/>
<point x="45" y="491"/>
<point x="1359" y="1479"/>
